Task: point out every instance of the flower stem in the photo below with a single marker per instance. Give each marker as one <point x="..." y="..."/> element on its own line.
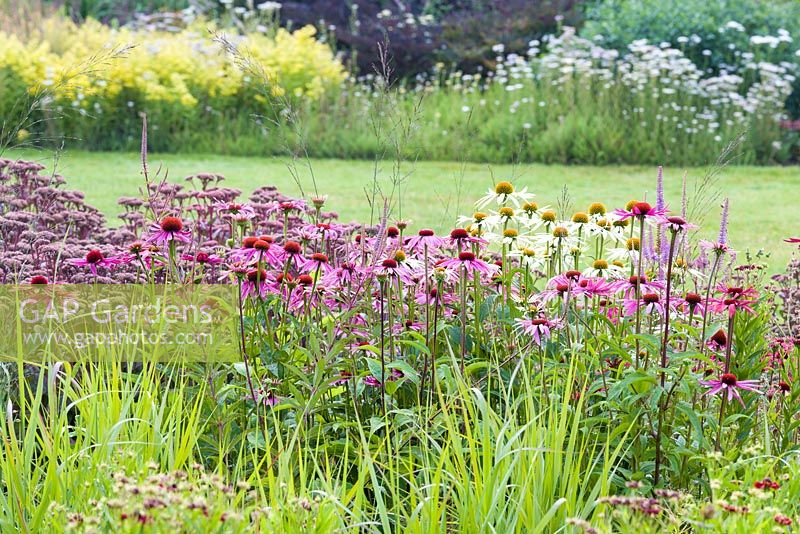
<point x="639" y="269"/>
<point x="711" y="277"/>
<point x="663" y="405"/>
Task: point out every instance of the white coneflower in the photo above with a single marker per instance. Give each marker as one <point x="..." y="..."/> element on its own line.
<point x="528" y="257"/>
<point x="602" y="268"/>
<point x="580" y="221"/>
<point x="504" y="193"/>
<point x="560" y="235"/>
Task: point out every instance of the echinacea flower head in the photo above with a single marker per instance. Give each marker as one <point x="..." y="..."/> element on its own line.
<point x="675" y="224"/>
<point x="38" y="280"/>
<point x="94" y="259"/>
<point x="580" y="218"/>
<point x="167" y="231"/>
<point x="391" y="268"/>
<point x="292" y="248"/>
<point x="718" y="341"/>
<point x="255" y="283"/>
<point x="597" y="209"/>
<point x="202" y="258"/>
<point x="735" y="298"/>
<point x="629" y="285"/>
<point x="548" y="216"/>
<point x="319" y="202"/>
<point x="730" y="385"/>
<point x="693" y="303"/>
<point x="603" y="269"/>
<point x="461" y="236"/>
<point x="240" y="212"/>
<point x="649" y="303"/>
<point x="640" y="210"/>
<point x="530" y="208"/>
<point x="371" y="381"/>
<point x="539" y="328"/>
<point x="470" y="264"/>
<point x="288" y="206"/>
<point x="502" y="194"/>
<point x="344" y="377"/>
<point x="318" y="262"/>
<point x="425" y="238"/>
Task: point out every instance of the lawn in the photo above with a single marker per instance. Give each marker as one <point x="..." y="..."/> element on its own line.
<point x="764" y="200"/>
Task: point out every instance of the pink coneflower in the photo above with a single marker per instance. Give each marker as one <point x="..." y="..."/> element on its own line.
<point x="256" y="249"/>
<point x="317" y="262"/>
<point x="692" y="303"/>
<point x="425" y="238"/>
<point x="729" y="382"/>
<point x="461" y="237"/>
<point x="554" y="291"/>
<point x="537" y="327"/>
<point x="344" y="378"/>
<point x="733" y="299"/>
<point x="268" y="398"/>
<point x="203" y="258"/>
<point x="308" y="294"/>
<point x="716" y="247"/>
<point x="718" y="341"/>
<point x="675" y="224"/>
<point x="372" y="381"/>
<point x="392" y="269"/>
<point x="288" y="206"/>
<point x="595" y="286"/>
<point x="415" y="326"/>
<point x="168" y="231"/>
<point x="255" y="283"/>
<point x="94" y="259"/>
<point x="649" y="303"/>
<point x="346" y="274"/>
<point x="234" y="210"/>
<point x="321" y="231"/>
<point x="628" y="287"/>
<point x="434" y="296"/>
<point x="470" y="264"/>
<point x="641" y="210"/>
<point x="38" y="280"/>
<point x="142" y="252"/>
<point x="293" y="252"/>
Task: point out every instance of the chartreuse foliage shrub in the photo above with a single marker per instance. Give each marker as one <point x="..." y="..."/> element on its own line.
<point x="96" y="80"/>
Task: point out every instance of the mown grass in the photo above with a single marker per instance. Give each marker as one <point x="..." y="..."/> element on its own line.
<point x="764" y="200"/>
